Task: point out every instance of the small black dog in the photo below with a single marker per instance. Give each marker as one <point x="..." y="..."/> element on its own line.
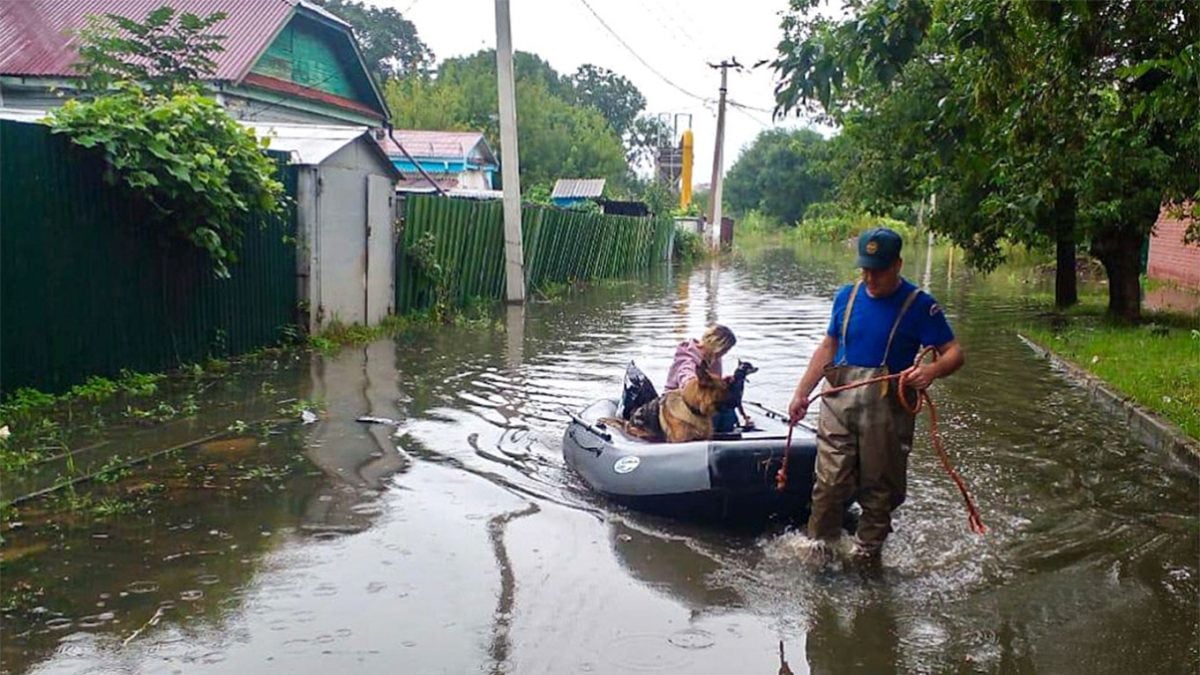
<point x="737" y="386"/>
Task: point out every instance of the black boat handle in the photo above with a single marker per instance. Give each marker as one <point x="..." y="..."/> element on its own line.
<point x="597" y="450"/>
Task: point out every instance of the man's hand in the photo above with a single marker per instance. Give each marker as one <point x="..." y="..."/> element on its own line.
<point x="919" y="377"/>
<point x="797" y="408"/>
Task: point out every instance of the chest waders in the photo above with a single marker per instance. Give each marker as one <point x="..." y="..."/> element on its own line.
<point x="864" y="437"/>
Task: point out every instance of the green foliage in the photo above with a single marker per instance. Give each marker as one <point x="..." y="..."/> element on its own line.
<point x="848" y="226"/>
<point x="780" y="174"/>
<point x="423" y="255"/>
<point x="611" y="94"/>
<point x="201" y="170"/>
<point x="1032" y="122"/>
<point x="689" y="246"/>
<point x="564" y="132"/>
<point x="658" y="198"/>
<point x="390" y="45"/>
<point x="162" y="52"/>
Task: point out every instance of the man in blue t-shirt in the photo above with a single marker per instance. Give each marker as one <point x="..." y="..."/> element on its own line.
<point x="864" y="435"/>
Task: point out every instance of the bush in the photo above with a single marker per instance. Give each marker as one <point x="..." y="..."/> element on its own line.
<point x="843" y="227"/>
<point x="689" y="246"/>
<point x="200" y="169"/>
<point x="756" y="222"/>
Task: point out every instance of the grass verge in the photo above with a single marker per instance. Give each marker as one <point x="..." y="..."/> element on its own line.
<point x="1155" y="363"/>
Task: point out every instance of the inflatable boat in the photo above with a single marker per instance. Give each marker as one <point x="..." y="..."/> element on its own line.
<point x="731" y="477"/>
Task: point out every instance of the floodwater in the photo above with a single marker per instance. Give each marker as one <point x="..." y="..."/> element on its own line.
<point x="454" y="540"/>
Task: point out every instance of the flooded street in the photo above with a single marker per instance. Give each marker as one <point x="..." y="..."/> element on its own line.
<point x="449" y="537"/>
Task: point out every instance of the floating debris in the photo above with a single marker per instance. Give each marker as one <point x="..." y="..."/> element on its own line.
<point x="378" y="420"/>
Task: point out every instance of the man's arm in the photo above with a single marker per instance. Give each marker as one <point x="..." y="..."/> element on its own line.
<point x="822" y="357"/>
<point x="950" y="359"/>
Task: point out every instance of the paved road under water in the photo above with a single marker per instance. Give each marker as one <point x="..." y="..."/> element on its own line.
<point x="456" y="541"/>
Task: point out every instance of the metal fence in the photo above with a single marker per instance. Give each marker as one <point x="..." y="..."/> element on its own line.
<point x="459" y="245"/>
<point x="89" y="287"/>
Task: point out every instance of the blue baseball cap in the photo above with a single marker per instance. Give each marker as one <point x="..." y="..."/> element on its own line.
<point x="878" y="248"/>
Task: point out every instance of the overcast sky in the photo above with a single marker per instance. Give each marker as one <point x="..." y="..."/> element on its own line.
<point x="676" y="38"/>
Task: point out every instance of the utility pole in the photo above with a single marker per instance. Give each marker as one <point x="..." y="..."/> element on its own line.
<point x="714" y="197"/>
<point x="514" y="255"/>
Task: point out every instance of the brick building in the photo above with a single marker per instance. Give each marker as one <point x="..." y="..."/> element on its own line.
<point x="1170" y="259"/>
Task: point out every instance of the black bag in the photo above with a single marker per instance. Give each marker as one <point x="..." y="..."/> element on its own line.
<point x="637" y="391"/>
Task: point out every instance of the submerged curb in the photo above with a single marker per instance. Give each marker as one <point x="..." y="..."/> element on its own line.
<point x="1152" y="430"/>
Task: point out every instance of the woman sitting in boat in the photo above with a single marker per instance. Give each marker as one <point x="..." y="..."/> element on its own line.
<point x="714" y="344"/>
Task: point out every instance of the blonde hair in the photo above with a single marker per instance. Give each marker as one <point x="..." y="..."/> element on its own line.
<point x="718" y="339"/>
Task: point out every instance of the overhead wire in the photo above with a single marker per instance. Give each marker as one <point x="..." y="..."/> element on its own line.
<point x="637" y="56"/>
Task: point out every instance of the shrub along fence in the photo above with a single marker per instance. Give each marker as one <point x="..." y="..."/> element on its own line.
<point x="86" y="288"/>
<point x="451" y="250"/>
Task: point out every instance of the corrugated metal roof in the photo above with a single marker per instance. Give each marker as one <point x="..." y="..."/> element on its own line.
<point x="437" y="144"/>
<point x="312" y="143"/>
<point x="565" y="188"/>
<point x="36" y="39"/>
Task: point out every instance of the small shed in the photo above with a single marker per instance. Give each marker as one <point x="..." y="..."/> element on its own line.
<point x="571" y="191"/>
<point x="345" y="221"/>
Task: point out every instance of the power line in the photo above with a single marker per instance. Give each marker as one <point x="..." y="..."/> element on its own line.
<point x="761" y="123"/>
<point x="637" y="56"/>
<point x="750" y="107"/>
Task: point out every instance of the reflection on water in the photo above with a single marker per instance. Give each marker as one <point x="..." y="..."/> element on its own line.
<point x="454" y="539"/>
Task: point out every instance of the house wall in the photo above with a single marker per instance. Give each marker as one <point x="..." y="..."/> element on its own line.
<point x="278" y="109"/>
<point x="303" y="53"/>
<point x="1170" y="259"/>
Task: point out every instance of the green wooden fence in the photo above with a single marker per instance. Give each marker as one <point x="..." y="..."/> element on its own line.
<point x="465" y="239"/>
<point x="88" y="288"/>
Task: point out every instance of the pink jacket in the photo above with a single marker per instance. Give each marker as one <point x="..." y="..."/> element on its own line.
<point x="687" y="358"/>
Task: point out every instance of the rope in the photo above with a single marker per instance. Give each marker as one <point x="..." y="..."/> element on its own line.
<point x="973" y="518"/>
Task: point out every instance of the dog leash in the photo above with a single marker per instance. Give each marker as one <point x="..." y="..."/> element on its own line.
<point x="923" y="398"/>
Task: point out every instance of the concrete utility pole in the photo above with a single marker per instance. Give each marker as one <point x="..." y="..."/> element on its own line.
<point x="514" y="255"/>
<point x="714" y="207"/>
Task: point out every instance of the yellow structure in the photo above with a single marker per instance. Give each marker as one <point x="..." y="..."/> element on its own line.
<point x="685" y="189"/>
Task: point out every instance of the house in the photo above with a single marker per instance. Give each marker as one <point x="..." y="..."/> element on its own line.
<point x="345" y="221"/>
<point x="571" y="191"/>
<point x="459" y="161"/>
<point x="283" y="60"/>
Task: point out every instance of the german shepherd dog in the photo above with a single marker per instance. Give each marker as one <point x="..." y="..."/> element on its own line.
<point x="681" y="415"/>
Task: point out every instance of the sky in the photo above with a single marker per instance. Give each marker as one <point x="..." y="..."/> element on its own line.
<point x="675" y="40"/>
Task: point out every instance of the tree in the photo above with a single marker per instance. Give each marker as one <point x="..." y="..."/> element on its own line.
<point x="558" y="139"/>
<point x="780" y="174"/>
<point x="420" y="102"/>
<point x="642" y="140"/>
<point x="613" y="95"/>
<point x="162" y="52"/>
<point x="1013" y="113"/>
<point x="389" y="42"/>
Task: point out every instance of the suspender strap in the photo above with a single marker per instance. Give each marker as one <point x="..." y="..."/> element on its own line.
<point x="849" y="309"/>
<point x="903" y="310"/>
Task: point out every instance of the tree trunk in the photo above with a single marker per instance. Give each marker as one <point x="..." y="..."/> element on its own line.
<point x="1119" y="250"/>
<point x="1066" y="292"/>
